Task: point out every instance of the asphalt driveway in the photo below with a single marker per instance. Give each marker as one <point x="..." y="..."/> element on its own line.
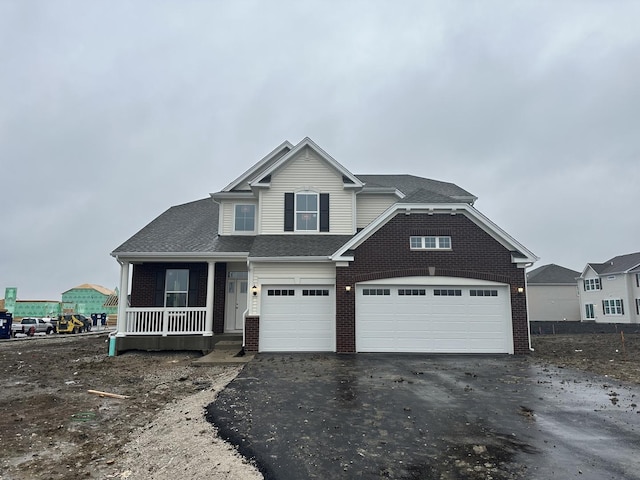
<point x="372" y="416"/>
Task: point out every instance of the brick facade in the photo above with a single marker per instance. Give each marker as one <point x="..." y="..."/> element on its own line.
<point x="251" y="333"/>
<point x="386" y="254"/>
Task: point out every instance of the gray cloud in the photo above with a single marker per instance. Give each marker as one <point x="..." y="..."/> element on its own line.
<point x="114" y="111"/>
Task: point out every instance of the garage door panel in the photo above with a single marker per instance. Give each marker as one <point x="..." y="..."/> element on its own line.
<point x="442" y="320"/>
<point x="302" y="320"/>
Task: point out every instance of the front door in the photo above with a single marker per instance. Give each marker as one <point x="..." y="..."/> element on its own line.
<point x="236" y="302"/>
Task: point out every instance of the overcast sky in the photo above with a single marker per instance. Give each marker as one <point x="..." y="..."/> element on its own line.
<point x="113" y="111"/>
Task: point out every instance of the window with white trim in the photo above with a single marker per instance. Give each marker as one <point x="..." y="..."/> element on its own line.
<point x="176" y="290"/>
<point x="430" y="243"/>
<point x="244" y="218"/>
<point x="307" y="211"/>
<point x="589" y="311"/>
<point x="613" y="306"/>
<point x="315" y="293"/>
<point x="591" y="284"/>
<point x="280" y="293"/>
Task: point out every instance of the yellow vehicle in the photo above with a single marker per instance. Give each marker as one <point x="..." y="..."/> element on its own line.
<point x="73" y="323"/>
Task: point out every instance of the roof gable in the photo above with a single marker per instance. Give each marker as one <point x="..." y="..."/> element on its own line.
<point x="257" y="170"/>
<point x="90" y="286"/>
<point x="552" y="275"/>
<point x="349" y="178"/>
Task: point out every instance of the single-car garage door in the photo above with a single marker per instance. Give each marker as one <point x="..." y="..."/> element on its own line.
<point x="297" y="318"/>
<point x="433" y="318"/>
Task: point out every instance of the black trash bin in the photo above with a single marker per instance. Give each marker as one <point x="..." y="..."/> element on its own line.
<point x="94" y="319"/>
<point x="6" y="319"/>
<point x="103" y="319"/>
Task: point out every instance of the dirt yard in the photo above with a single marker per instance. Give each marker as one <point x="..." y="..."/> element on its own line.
<point x="52" y="428"/>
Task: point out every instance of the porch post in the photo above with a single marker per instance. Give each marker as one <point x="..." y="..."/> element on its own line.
<point x="208" y="327"/>
<point x="122" y="299"/>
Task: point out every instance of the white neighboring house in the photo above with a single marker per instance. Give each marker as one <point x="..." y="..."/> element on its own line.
<point x="553" y="294"/>
<point x="610" y="291"/>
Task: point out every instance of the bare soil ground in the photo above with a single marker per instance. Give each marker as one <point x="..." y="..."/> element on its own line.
<point x="51" y="427"/>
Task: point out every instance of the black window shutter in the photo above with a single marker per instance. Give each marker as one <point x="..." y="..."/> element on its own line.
<point x="604" y="312"/>
<point x="288" y="212"/>
<point x="622" y="306"/>
<point x="324" y="212"/>
<point x="193" y="288"/>
<point x="584" y="285"/>
<point x="158" y="294"/>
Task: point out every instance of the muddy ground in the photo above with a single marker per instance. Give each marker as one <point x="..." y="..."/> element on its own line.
<point x="51" y="427"/>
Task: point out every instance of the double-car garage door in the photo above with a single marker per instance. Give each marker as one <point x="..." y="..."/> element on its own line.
<point x="394" y="317"/>
<point x="433" y="318"/>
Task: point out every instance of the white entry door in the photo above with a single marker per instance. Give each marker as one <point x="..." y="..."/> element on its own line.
<point x="235" y="303"/>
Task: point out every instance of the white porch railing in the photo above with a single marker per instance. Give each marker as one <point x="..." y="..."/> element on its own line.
<point x="166" y="321"/>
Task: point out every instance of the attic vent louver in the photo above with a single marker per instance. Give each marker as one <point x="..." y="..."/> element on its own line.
<point x="347" y="180"/>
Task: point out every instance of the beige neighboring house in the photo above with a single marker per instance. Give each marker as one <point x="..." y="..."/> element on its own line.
<point x="553" y="294"/>
<point x="610" y="291"/>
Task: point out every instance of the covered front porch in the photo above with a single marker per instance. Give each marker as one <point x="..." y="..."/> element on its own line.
<point x="180" y="305"/>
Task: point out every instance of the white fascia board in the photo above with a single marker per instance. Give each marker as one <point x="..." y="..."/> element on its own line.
<point x="628" y="270"/>
<point x="219" y="196"/>
<point x="290" y="259"/>
<point x="452" y="208"/>
<point x="255" y="168"/>
<point x="307" y="142"/>
<point x="585" y="269"/>
<point x="382" y="191"/>
<point x="178" y="256"/>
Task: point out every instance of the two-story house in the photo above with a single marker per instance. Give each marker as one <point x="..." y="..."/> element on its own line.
<point x="610" y="291"/>
<point x="300" y="254"/>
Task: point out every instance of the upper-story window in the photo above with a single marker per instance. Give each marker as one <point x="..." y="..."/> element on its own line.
<point x="430" y="243"/>
<point x="307" y="211"/>
<point x="591" y="284"/>
<point x="245" y="218"/>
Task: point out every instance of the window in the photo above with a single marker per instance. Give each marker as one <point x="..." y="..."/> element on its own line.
<point x="589" y="313"/>
<point x="280" y="293"/>
<point x="430" y="243"/>
<point x="376" y="291"/>
<point x="307" y="211"/>
<point x="315" y="293"/>
<point x="613" y="306"/>
<point x="412" y="291"/>
<point x="245" y="218"/>
<point x="441" y="292"/>
<point x="591" y="284"/>
<point x="176" y="287"/>
<point x="483" y="293"/>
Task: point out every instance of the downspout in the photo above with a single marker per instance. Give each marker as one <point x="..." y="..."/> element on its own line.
<point x="526" y="299"/>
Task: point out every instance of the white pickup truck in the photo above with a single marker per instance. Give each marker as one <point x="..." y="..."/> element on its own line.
<point x="31" y="326"/>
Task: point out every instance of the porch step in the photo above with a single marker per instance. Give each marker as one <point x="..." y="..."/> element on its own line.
<point x="228" y="345"/>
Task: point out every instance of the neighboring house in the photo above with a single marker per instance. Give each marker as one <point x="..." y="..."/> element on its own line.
<point x="300" y="254"/>
<point x="88" y="298"/>
<point x="553" y="294"/>
<point x="29" y="308"/>
<point x="610" y="291"/>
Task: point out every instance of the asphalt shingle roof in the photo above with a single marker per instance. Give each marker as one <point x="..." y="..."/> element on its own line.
<point x="191" y="227"/>
<point x="619" y="264"/>
<point x="297" y="245"/>
<point x="552" y="275"/>
<point x="409" y="184"/>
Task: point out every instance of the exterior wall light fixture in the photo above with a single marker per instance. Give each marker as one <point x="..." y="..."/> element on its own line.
<point x="254" y="290"/>
<point x="520" y="290"/>
<point x="347" y="288"/>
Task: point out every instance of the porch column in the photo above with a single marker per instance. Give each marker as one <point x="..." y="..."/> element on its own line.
<point x="122" y="299"/>
<point x="208" y="327"/>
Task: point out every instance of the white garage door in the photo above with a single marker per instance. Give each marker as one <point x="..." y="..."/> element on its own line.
<point x="433" y="318"/>
<point x="297" y="318"/>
